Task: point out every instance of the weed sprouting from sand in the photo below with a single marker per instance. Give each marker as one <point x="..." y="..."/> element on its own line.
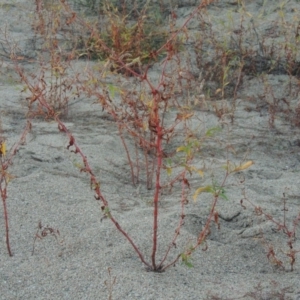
<point x="259" y="292"/>
<point x="44" y="231"/>
<point x="276" y="293"/>
<point x="235" y="58"/>
<point x="6" y="158"/>
<point x="134" y="41"/>
<point x="141" y="113"/>
<point x="110" y="283"/>
<point x="155" y="118"/>
<point x="282" y="226"/>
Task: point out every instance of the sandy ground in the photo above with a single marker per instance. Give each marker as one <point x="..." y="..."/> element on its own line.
<point x="48" y="188"/>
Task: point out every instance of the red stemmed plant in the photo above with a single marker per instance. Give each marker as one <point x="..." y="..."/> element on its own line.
<point x="140" y="116"/>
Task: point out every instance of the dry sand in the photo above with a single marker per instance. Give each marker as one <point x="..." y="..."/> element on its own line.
<point x="48" y="188"/>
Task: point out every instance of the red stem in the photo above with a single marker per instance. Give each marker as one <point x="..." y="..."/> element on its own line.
<point x="62" y="127"/>
<point x="203" y="232"/>
<point x="157" y="182"/>
<point x="96" y="185"/>
<point x="200" y="238"/>
<point x="157" y="129"/>
<point x="3" y="180"/>
<point x="4" y="196"/>
<point x="181" y="221"/>
<point x="128" y="156"/>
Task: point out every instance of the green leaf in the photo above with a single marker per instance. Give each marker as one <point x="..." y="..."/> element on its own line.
<point x="223" y="195"/>
<point x="210" y="132"/>
<point x="168" y="161"/>
<point x="192" y="168"/>
<point x="169" y="171"/>
<point x="188" y="264"/>
<point x="186" y="260"/>
<point x="205" y="189"/>
<point x="78" y="165"/>
<point x="181" y="149"/>
<point x="220" y="191"/>
<point x="107" y="212"/>
<point x="112" y="90"/>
